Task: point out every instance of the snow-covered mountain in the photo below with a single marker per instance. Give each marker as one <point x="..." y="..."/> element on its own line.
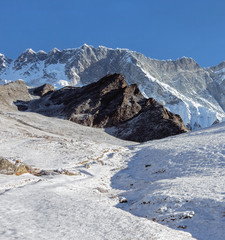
<point x="196" y="94"/>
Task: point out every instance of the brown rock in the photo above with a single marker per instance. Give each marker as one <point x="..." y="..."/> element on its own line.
<point x="42" y="90"/>
<point x="17" y="168"/>
<point x="13" y="92"/>
<point x="6" y="167"/>
<point x="21" y="169"/>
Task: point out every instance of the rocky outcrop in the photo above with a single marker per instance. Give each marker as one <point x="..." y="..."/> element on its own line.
<point x="42" y="90"/>
<point x="9" y="168"/>
<point x="154" y="122"/>
<point x="18" y="168"/>
<point x="106" y="103"/>
<point x="113" y="104"/>
<point x="14" y="92"/>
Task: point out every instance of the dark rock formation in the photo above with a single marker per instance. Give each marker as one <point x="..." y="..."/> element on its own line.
<point x="13" y="92"/>
<point x="42" y="90"/>
<point x="106" y="103"/>
<point x="153" y="122"/>
<point x="112" y="104"/>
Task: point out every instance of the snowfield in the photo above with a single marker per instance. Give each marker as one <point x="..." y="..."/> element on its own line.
<point x="179" y="181"/>
<point x="169" y="189"/>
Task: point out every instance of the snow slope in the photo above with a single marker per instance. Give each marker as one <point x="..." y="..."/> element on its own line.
<point x="196" y="94"/>
<point x="121" y="190"/>
<point x="60" y="206"/>
<point x="180" y="182"/>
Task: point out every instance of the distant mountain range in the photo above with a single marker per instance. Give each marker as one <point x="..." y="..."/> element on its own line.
<point x="195" y="93"/>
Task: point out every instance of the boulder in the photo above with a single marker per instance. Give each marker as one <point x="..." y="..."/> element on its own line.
<point x="42" y="90"/>
<point x="9" y="168"/>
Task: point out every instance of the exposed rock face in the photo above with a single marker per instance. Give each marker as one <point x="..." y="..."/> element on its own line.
<point x="42" y="90"/>
<point x="154" y="122"/>
<point x="105" y="103"/>
<point x="13" y="92"/>
<point x="110" y="102"/>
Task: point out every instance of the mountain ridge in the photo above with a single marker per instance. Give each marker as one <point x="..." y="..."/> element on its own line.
<point x="195" y="93"/>
<point x="109" y="103"/>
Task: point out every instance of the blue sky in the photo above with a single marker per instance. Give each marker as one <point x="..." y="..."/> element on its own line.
<point x="162" y="29"/>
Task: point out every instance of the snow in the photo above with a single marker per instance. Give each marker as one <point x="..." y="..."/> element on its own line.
<point x="56" y="71"/>
<point x="129" y="60"/>
<point x="191" y="111"/>
<point x="220" y="71"/>
<point x="29" y="50"/>
<point x="13" y="75"/>
<point x="100" y="46"/>
<point x="54" y="50"/>
<point x="221" y="76"/>
<point x="180" y="182"/>
<point x="68" y="207"/>
<point x="121" y="190"/>
<point x="41" y="51"/>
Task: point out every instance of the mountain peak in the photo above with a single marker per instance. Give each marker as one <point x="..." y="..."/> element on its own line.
<point x="85" y="45"/>
<point x="187" y="63"/>
<point x="29" y="51"/>
<point x="55" y="50"/>
<point x="41" y="52"/>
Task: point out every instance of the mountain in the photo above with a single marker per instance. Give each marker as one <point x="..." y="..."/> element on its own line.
<point x="108" y="103"/>
<point x="196" y="94"/>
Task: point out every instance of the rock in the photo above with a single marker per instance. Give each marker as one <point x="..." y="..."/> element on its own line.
<point x="21" y="169"/>
<point x="12" y="93"/>
<point x="154" y="122"/>
<point x="7" y="167"/>
<point x="42" y="90"/>
<point x="18" y="168"/>
<point x="112" y="104"/>
<point x="123" y="200"/>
